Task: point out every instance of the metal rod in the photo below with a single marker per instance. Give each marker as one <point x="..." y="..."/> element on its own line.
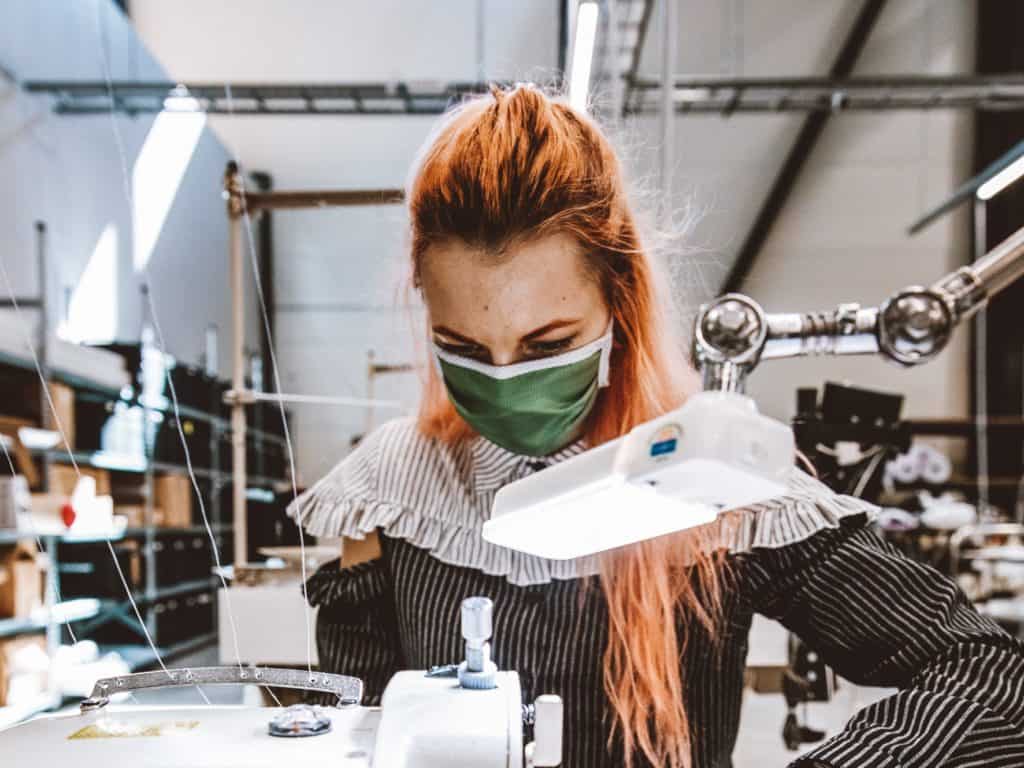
<point x="723" y="95"/>
<point x="378" y="368"/>
<point x="910" y="327"/>
<point x="1004" y="264"/>
<point x="967" y="190"/>
<point x="23" y="303"/>
<point x="256" y="201"/>
<point x="634" y="65"/>
<point x="611" y="57"/>
<point x="981" y="344"/>
<point x="238" y="422"/>
<point x="43" y="345"/>
<point x="669" y="20"/>
<point x="359" y="402"/>
<point x="836" y="80"/>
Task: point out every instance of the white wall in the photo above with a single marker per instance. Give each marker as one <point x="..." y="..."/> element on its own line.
<point x="68" y="171"/>
<point x="338" y="272"/>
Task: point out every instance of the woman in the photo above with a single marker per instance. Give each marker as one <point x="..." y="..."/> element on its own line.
<point x="547" y="339"/>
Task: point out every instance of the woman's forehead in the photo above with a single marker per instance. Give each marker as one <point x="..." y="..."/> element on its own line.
<point x="468" y="289"/>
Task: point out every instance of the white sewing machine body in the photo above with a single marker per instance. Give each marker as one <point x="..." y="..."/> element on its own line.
<point x="423" y="722"/>
<point x="467" y="715"/>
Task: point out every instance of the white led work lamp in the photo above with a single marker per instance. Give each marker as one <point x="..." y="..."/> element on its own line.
<point x="678" y="471"/>
<point x="717" y="453"/>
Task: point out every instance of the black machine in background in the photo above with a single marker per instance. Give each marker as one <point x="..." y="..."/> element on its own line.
<point x="826" y="432"/>
<point x="848" y="435"/>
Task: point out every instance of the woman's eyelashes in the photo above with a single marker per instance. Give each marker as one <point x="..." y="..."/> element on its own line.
<point x="552" y="347"/>
<point x="465" y="350"/>
<point x="530" y="350"/>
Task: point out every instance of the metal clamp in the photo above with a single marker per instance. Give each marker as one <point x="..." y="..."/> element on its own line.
<point x="349" y="690"/>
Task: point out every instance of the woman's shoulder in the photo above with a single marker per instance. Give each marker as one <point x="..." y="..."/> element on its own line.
<point x="394" y="470"/>
<point x="806" y="509"/>
<point x="426" y="492"/>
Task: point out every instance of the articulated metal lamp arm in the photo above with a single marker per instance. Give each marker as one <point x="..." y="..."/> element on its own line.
<point x="733" y="333"/>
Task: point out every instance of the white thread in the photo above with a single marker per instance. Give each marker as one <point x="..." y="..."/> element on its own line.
<point x="277" y="385"/>
<point x="130" y="200"/>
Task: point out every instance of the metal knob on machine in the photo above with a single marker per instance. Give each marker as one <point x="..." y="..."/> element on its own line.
<point x="477" y="671"/>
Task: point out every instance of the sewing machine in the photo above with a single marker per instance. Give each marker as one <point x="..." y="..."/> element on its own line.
<point x="468" y="715"/>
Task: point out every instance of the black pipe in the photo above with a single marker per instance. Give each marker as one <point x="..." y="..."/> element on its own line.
<point x="265" y="260"/>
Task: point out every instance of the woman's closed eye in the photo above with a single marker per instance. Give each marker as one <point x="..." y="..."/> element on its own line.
<point x="536" y="349"/>
<point x="531" y="350"/>
<point x="471" y="351"/>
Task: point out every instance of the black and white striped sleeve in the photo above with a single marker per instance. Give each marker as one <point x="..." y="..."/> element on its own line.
<point x="881" y="619"/>
<point x="356" y="624"/>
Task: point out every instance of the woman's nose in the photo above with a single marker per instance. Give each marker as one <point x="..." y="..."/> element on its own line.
<point x="504" y="356"/>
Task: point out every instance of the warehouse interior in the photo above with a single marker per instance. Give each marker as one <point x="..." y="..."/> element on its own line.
<point x="205" y="297"/>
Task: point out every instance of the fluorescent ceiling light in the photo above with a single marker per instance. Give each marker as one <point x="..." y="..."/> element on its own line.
<point x="582" y="54"/>
<point x="679" y="471"/>
<point x="1002" y="180"/>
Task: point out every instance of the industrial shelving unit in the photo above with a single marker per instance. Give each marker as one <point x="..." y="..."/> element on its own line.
<point x="89" y="613"/>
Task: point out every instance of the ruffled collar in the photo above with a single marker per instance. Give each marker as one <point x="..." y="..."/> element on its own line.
<point x="437" y="496"/>
<point x="493" y="466"/>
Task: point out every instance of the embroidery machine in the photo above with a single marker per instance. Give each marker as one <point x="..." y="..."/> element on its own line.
<point x="468" y="715"/>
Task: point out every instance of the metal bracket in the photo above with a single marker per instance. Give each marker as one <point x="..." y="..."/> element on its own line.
<point x="349" y="690"/>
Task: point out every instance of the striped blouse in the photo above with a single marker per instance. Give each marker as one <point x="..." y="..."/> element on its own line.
<point x="809" y="560"/>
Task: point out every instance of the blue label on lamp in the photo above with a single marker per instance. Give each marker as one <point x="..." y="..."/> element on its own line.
<point x="665" y="441"/>
<point x="664" y="447"/>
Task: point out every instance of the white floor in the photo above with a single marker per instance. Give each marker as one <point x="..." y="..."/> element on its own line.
<point x="760" y="738"/>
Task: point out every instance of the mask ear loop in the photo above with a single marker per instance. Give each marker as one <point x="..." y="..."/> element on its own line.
<point x="604" y="369"/>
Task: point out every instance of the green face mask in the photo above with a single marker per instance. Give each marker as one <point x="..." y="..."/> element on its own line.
<point x="532" y="408"/>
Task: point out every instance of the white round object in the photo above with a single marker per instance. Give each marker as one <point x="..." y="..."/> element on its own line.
<point x="949" y="515"/>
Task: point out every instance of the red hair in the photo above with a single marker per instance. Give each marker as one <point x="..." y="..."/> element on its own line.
<point x="516" y="165"/>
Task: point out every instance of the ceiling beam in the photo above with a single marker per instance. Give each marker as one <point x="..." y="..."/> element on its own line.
<point x="800" y="151"/>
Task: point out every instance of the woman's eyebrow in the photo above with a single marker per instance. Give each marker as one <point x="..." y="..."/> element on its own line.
<point x="455" y="335"/>
<point x="553" y="325"/>
<point x="537" y="332"/>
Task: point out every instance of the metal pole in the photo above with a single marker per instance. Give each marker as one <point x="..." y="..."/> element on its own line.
<point x="981" y="368"/>
<point x="238" y="425"/>
<point x="613" y="49"/>
<point x="43" y="345"/>
<point x="669" y="19"/>
<point x="370" y="391"/>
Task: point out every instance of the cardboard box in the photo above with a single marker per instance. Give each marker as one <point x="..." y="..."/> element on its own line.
<point x="173" y="494"/>
<point x="21" y="580"/>
<point x="63" y="479"/>
<point x="47" y="512"/>
<point x="63" y="398"/>
<point x="23" y="669"/>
